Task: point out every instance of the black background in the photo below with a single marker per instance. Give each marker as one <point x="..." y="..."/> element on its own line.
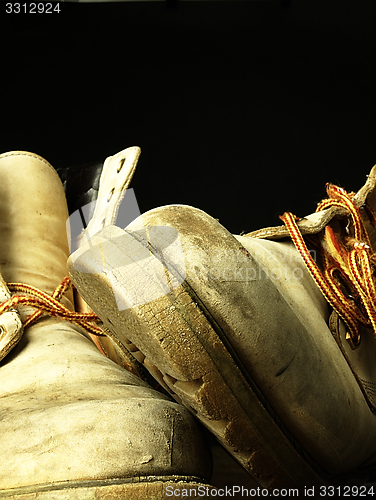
<point x="242" y="109"/>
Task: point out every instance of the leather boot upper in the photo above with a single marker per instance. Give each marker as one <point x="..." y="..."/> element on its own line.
<point x="67" y="413"/>
<point x="272" y="314"/>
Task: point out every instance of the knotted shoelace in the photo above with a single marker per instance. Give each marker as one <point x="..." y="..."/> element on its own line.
<point x="50" y="305"/>
<point x="47" y="304"/>
<point x="347" y="278"/>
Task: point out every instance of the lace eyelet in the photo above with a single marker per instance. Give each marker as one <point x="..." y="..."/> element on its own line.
<point x="110" y="194"/>
<point x="121" y="163"/>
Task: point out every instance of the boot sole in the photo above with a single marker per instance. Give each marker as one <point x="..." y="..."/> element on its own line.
<point x="180" y="344"/>
<point x="152" y="488"/>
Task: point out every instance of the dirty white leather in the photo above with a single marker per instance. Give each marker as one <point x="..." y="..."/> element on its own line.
<point x="10" y="324"/>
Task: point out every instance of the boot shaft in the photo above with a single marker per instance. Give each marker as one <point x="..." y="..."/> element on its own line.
<point x="33" y="214"/>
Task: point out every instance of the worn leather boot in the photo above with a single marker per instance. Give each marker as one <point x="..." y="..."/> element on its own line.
<point x="101" y="189"/>
<point x="73" y="423"/>
<point x="269" y="342"/>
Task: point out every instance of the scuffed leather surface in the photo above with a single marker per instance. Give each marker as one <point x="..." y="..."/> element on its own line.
<point x="33" y="215"/>
<point x="68" y="413"/>
<point x="277" y="325"/>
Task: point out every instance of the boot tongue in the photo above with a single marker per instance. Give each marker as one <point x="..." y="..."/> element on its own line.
<point x="33" y="214"/>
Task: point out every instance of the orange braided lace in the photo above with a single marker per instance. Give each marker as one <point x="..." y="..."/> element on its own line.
<point x="347" y="280"/>
<point x="50" y="305"/>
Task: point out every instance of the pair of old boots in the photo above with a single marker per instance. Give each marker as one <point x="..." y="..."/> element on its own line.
<point x="235" y="328"/>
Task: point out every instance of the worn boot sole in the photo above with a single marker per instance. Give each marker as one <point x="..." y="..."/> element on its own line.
<point x="147" y="488"/>
<point x="181" y="345"/>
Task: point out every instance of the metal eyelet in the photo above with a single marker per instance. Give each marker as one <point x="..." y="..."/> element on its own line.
<point x="121" y="163"/>
<point x="110" y="194"/>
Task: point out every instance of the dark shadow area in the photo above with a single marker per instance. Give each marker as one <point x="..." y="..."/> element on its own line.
<point x="243" y="109"/>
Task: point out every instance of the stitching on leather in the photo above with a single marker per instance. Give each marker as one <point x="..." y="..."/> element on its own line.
<point x="370" y="385"/>
<point x="31" y="155"/>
